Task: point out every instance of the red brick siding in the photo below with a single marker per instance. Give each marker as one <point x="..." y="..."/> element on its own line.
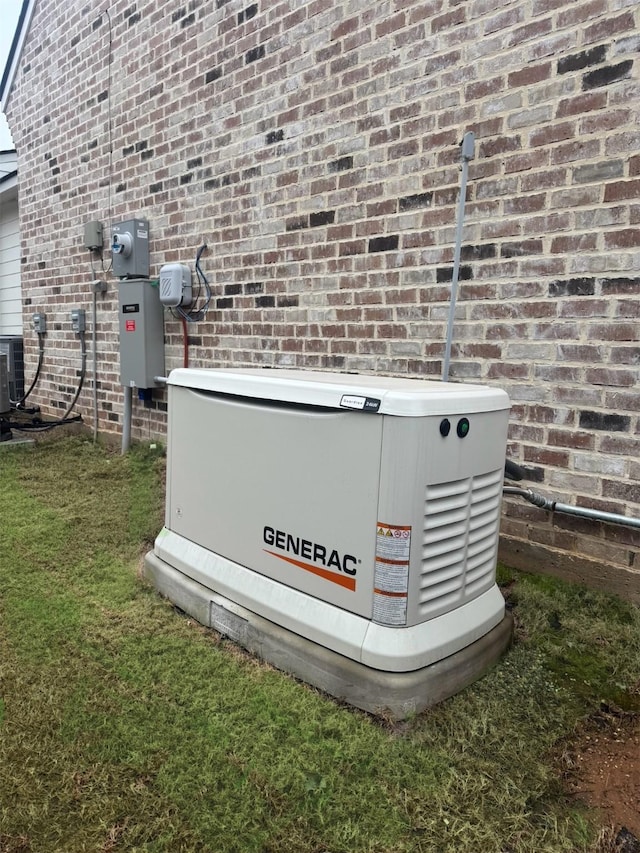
<point x="314" y="147"/>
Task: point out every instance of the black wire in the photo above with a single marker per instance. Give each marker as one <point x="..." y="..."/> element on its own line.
<point x="83" y="371"/>
<point x="198" y="285"/>
<point x="512" y="471"/>
<point x="44" y="426"/>
<point x="65" y="419"/>
<point x="35" y="378"/>
<point x="194" y="314"/>
<point x="201" y="274"/>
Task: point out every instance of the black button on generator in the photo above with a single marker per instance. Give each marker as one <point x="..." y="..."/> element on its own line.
<point x="445" y="427"/>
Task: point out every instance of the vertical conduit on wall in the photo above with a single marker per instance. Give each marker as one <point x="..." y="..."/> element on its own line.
<point x="467" y="154"/>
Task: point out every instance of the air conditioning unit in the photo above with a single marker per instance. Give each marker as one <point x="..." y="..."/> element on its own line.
<point x="12" y="347"/>
<point x="344" y="528"/>
<point x="5" y="402"/>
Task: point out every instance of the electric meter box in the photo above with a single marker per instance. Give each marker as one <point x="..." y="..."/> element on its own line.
<point x="343" y="527"/>
<point x="130" y="249"/>
<point x="141" y="321"/>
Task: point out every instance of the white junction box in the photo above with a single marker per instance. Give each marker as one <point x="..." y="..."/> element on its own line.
<point x="175" y="285"/>
<point x="343" y="527"/>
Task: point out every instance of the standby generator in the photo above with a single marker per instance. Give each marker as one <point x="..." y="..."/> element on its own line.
<point x="342" y="527"/>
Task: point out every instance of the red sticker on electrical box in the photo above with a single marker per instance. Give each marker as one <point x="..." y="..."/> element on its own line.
<point x="130" y="325"/>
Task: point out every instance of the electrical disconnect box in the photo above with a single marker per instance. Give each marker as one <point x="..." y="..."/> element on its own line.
<point x="141" y="333"/>
<point x="39" y="323"/>
<point x="130" y="249"/>
<point x="93" y="236"/>
<point x="78" y="320"/>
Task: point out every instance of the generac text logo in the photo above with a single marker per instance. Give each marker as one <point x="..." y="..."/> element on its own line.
<point x="316" y="558"/>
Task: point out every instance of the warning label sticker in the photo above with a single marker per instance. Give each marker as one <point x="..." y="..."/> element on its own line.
<point x="129" y="325"/>
<point x="393" y="542"/>
<point x="393" y="548"/>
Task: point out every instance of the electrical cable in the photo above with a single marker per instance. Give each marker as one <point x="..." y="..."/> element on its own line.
<point x="512" y="471"/>
<point x="203" y="277"/>
<point x="18" y="403"/>
<point x="83" y="370"/>
<point x="185" y="341"/>
<point x="42" y="426"/>
<point x="195" y="314"/>
<point x="94" y="351"/>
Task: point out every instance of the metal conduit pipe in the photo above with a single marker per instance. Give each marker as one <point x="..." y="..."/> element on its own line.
<point x="567" y="509"/>
<point x="467" y="153"/>
<point x="94" y="354"/>
<point x="126" y="418"/>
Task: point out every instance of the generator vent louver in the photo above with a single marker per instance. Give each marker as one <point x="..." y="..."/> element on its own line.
<point x="461" y="520"/>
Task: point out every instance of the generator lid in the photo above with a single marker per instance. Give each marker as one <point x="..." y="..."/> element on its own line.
<point x="383" y="395"/>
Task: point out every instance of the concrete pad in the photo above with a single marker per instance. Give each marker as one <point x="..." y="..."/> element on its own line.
<point x="390" y="694"/>
<point x="16" y="442"/>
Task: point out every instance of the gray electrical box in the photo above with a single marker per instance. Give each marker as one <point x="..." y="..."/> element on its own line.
<point x="93" y="235"/>
<point x="141" y="333"/>
<point x="40" y="323"/>
<point x="130" y="249"/>
<point x="78" y="320"/>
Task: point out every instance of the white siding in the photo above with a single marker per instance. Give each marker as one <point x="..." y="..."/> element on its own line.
<point x="10" y="296"/>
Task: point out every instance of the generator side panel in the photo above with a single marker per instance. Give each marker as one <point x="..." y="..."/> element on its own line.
<point x="287" y="491"/>
<point x="440" y="502"/>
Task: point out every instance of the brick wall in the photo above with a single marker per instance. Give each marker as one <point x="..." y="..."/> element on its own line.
<point x="314" y="146"/>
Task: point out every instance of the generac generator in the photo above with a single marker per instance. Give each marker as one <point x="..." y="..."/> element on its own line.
<point x="342" y="527"/>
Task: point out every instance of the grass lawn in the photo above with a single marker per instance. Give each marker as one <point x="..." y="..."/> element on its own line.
<point x="124" y="726"/>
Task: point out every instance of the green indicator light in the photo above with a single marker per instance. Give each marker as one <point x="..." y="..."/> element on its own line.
<point x="463" y="428"/>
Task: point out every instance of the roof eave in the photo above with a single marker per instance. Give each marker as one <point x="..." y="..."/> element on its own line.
<point x="13" y="60"/>
<point x="8" y="182"/>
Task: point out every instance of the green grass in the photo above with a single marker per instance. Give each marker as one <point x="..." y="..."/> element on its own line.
<point x="125" y="726"/>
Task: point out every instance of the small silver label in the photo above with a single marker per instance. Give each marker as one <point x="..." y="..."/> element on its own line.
<point x="348" y="401"/>
<point x="229" y="624"/>
<point x="362" y="404"/>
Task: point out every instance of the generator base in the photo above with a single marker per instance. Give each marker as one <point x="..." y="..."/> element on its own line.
<point x="394" y="695"/>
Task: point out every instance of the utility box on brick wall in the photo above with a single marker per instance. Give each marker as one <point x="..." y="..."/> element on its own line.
<point x="141" y="333"/>
<point x="130" y="249"/>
